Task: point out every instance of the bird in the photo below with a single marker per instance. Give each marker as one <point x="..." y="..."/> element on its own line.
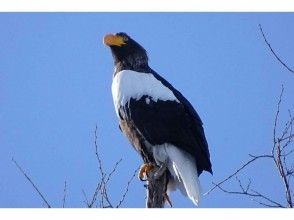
<point x="159" y="122"/>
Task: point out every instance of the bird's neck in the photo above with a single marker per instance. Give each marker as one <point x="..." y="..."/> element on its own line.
<point x="140" y="64"/>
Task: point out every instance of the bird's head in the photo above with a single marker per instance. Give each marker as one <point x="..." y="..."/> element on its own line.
<point x="126" y="52"/>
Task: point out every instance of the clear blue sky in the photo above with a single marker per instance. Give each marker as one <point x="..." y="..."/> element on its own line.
<point x="55" y="86"/>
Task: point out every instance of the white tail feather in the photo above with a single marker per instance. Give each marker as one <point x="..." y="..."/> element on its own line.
<point x="184" y="171"/>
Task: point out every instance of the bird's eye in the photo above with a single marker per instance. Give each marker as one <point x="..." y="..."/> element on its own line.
<point x="125" y="38"/>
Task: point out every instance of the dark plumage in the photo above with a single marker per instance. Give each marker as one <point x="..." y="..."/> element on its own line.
<point x="158" y="120"/>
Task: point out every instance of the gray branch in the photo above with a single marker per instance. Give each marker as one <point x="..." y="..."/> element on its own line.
<point x="156" y="188"/>
<point x="31" y="182"/>
<point x="273" y="52"/>
<point x="278" y="156"/>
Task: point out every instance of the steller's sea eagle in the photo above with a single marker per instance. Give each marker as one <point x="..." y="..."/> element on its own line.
<point x="158" y="120"/>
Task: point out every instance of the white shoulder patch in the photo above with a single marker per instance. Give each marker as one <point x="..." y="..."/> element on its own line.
<point x="130" y="84"/>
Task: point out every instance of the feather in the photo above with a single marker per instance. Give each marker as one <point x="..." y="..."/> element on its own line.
<point x="129" y="84"/>
<point x="185" y="169"/>
<point x="182" y="167"/>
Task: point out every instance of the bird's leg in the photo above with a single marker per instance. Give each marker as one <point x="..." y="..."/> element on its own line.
<point x="144" y="169"/>
<point x="160" y="170"/>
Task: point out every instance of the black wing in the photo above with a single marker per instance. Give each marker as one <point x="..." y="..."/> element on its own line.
<point x="170" y="122"/>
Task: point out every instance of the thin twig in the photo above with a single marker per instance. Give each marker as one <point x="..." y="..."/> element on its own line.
<point x="257" y="194"/>
<point x="288" y="137"/>
<point x="254" y="158"/>
<point x="279" y="155"/>
<point x="273" y="52"/>
<point x="104" y="195"/>
<point x="287" y="129"/>
<point x="86" y="199"/>
<point x="64" y="194"/>
<point x="97" y="154"/>
<point x="113" y="170"/>
<point x="276" y="118"/>
<point x="127" y="188"/>
<point x="253" y="194"/>
<point x="103" y="188"/>
<point x="94" y="197"/>
<point x="32" y="183"/>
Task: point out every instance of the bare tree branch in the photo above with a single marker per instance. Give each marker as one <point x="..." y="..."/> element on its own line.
<point x="127" y="189"/>
<point x="86" y="199"/>
<point x="279" y="155"/>
<point x="273" y="52"/>
<point x="31" y="182"/>
<point x="276" y="118"/>
<point x="64" y="194"/>
<point x="94" y="197"/>
<point x="97" y="154"/>
<point x="254" y="158"/>
<point x="253" y="193"/>
<point x="104" y="178"/>
<point x="277" y="152"/>
<point x="113" y="170"/>
<point x="288" y="137"/>
<point x="100" y="197"/>
<point x="156" y="187"/>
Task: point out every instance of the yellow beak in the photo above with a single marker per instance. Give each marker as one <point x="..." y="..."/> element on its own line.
<point x="113" y="40"/>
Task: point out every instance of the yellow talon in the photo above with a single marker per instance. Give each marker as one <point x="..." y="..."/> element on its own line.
<point x="144" y="169"/>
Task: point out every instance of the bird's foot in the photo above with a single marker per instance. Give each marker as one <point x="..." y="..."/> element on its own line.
<point x="159" y="172"/>
<point x="144" y="169"/>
